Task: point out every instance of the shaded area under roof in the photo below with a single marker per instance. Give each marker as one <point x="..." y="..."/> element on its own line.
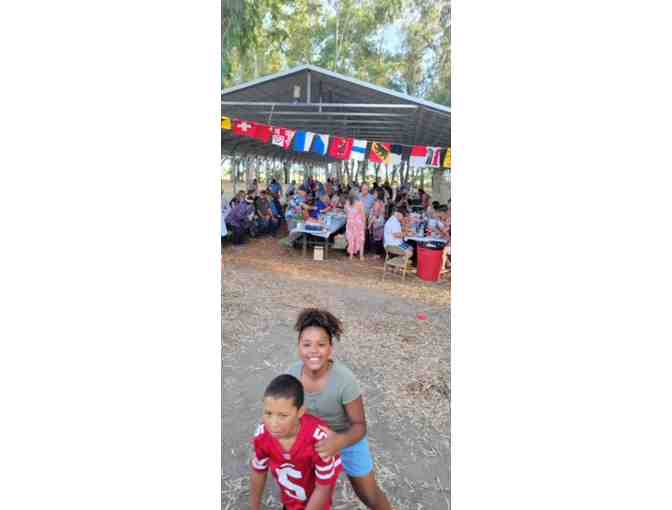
<point x="310" y="98"/>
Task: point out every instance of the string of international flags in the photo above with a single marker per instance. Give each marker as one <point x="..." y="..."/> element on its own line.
<point x="340" y="148"/>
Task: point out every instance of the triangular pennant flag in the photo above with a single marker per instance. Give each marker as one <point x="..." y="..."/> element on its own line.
<point x="226" y="123"/>
<point x="320" y="144"/>
<point x="418" y="155"/>
<point x="303" y="140"/>
<point x="397" y="151"/>
<point x="340" y="147"/>
<point x="358" y="151"/>
<point x="380" y="153"/>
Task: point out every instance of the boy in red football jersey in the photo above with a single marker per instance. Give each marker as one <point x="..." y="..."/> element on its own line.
<point x="285" y="442"/>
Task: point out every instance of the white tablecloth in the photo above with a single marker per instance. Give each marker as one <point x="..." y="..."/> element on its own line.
<point x="336" y="223"/>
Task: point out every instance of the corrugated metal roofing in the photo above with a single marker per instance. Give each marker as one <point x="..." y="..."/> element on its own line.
<point x="315" y="99"/>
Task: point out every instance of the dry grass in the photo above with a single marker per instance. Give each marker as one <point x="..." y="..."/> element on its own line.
<point x="402" y="362"/>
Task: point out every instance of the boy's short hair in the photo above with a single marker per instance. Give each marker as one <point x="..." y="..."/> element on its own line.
<point x="286" y="386"/>
<point x="401" y="210"/>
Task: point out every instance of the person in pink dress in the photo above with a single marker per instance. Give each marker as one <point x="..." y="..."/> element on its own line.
<point x="355" y="226"/>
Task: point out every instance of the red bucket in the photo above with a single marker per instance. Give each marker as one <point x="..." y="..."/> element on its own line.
<point x="430" y="260"/>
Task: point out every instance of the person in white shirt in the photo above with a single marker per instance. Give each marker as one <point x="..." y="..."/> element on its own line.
<point x="393" y="234"/>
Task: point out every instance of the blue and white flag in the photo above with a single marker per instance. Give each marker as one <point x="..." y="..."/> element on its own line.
<point x="321" y="144"/>
<point x="302" y="141"/>
<point x="358" y="150"/>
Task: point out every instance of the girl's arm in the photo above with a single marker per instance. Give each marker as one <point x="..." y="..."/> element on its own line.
<point x="257" y="484"/>
<point x="335" y="442"/>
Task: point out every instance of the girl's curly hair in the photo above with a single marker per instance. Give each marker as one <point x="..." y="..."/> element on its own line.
<point x="315" y="317"/>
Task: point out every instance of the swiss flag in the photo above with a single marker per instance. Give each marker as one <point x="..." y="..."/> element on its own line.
<point x="244" y="128"/>
<point x="262" y="133"/>
<point x="340" y="148"/>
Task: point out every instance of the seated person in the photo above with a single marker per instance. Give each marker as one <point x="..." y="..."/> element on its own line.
<point x="277" y="209"/>
<point x="275" y="187"/>
<point x="401" y="200"/>
<point x="322" y="204"/>
<point x="294" y="212"/>
<point x="443" y="226"/>
<point x="238" y="220"/>
<point x="237" y="198"/>
<point x="266" y="222"/>
<point x="226" y="209"/>
<point x="310" y="208"/>
<point x="393" y="234"/>
<point x="335" y="200"/>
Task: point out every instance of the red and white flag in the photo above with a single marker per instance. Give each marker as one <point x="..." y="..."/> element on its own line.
<point x="262" y="133"/>
<point x="340" y="148"/>
<point x="283" y="137"/>
<point x="433" y="156"/>
<point x="244" y="128"/>
<point x="418" y="156"/>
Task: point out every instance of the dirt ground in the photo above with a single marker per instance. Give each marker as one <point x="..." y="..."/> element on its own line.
<point x="396" y="341"/>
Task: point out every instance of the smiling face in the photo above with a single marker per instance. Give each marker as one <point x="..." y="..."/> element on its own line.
<point x="315" y="348"/>
<point x="282" y="417"/>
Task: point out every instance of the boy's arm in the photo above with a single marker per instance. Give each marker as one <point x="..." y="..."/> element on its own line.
<point x="259" y="467"/>
<point x="257" y="484"/>
<point x="319" y="498"/>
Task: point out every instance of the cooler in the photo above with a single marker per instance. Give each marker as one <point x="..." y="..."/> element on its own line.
<point x="430" y="259"/>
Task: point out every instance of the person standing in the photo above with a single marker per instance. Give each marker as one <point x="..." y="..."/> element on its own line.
<point x="355" y="225"/>
<point x="376" y="223"/>
<point x="333" y="394"/>
<point x="275" y="187"/>
<point x="366" y="198"/>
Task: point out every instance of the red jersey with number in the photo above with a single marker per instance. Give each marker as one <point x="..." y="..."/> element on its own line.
<point x="298" y="470"/>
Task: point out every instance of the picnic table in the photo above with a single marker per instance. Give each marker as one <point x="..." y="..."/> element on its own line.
<point x="333" y="223"/>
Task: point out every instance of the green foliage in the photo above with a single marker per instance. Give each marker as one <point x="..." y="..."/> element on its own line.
<point x="265" y="36"/>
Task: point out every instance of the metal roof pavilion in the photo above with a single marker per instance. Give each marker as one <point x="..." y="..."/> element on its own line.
<point x="313" y="99"/>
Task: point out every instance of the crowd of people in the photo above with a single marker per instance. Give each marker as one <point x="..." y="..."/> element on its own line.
<point x="253" y="213"/>
<point x="377" y="215"/>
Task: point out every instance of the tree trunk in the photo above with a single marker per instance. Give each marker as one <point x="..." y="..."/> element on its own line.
<point x="285" y="168"/>
<point x="405" y="175"/>
<point x="234" y="175"/>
